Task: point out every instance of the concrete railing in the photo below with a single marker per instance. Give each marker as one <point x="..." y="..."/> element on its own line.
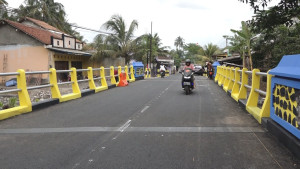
<point x="25" y="104"/>
<point x="235" y="81"/>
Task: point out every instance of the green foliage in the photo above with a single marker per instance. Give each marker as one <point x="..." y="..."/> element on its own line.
<point x="12" y="102"/>
<point x="271" y="46"/>
<point x="282" y="13"/>
<point x="179" y="43"/>
<point x="243" y="39"/>
<point x="48" y="11"/>
<point x="1" y="104"/>
<point x="209" y="50"/>
<point x="121" y="41"/>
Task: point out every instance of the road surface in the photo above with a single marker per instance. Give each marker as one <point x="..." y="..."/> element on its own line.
<point x="149" y="124"/>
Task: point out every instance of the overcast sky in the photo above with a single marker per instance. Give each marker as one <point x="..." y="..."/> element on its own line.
<point x="197" y="21"/>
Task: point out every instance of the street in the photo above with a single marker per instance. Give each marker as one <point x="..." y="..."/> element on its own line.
<point x="149" y="124"/>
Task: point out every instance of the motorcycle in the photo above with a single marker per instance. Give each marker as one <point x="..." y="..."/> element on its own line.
<point x="187" y="80"/>
<point x="162" y="73"/>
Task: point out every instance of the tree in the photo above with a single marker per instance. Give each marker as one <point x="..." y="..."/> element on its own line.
<point x="121" y="39"/>
<point x="209" y="50"/>
<point x="48" y="11"/>
<point x="237" y="44"/>
<point x="246" y="37"/>
<point x="282" y="13"/>
<point x="3" y="10"/>
<point x="179" y="43"/>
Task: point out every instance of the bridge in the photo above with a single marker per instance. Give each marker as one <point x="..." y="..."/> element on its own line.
<point x="150" y="123"/>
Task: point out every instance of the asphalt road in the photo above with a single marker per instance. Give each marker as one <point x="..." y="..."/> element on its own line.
<point x="149" y="124"/>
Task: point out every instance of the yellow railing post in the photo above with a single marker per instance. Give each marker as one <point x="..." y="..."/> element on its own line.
<point x="91" y="79"/>
<point x="53" y="81"/>
<point x="112" y="76"/>
<point x="253" y="96"/>
<point x="102" y="75"/>
<point x="75" y="86"/>
<point x="226" y="81"/>
<point x="126" y="72"/>
<point x="24" y="98"/>
<point x="221" y="77"/>
<point x="265" y="110"/>
<point x="132" y="78"/>
<point x="243" y="89"/>
<point x="217" y="74"/>
<point x="149" y="70"/>
<point x="231" y="82"/>
<point x="236" y="86"/>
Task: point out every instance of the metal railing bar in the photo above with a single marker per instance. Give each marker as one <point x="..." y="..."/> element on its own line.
<point x="37" y="72"/>
<point x="261" y="92"/>
<point x="97" y="78"/>
<point x="62" y="83"/>
<point x="248" y="72"/>
<point x="97" y="69"/>
<point x="116" y="75"/>
<point x="240" y="83"/>
<point x="82" y="70"/>
<point x="261" y="73"/>
<point x="39" y="87"/>
<point x="63" y="71"/>
<point x="9" y="91"/>
<point x="84" y="80"/>
<point x="247" y="86"/>
<point x="239" y="70"/>
<point x="9" y="74"/>
<point x="107" y="68"/>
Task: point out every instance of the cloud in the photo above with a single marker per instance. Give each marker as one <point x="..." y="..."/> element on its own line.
<point x="190" y="5"/>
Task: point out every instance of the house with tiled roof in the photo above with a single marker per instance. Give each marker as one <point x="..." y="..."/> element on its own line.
<point x="34" y="45"/>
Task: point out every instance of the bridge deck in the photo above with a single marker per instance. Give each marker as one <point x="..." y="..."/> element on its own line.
<point x="149" y="124"/>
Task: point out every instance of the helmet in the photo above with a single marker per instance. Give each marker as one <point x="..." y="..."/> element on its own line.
<point x="187" y="62"/>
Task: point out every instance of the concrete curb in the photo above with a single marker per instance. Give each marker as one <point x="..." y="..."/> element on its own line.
<point x="87" y="92"/>
<point x="44" y="104"/>
<point x="283" y="136"/>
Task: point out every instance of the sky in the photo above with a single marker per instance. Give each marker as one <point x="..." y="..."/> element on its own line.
<point x="196" y="21"/>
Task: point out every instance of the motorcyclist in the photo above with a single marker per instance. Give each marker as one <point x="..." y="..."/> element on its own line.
<point x="190" y="66"/>
<point x="162" y="69"/>
<point x="209" y="70"/>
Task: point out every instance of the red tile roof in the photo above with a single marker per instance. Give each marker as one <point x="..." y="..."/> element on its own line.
<point x="46" y="26"/>
<point x="43" y="24"/>
<point x="41" y="35"/>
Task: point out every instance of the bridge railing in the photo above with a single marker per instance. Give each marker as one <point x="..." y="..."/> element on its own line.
<point x="25" y="103"/>
<point x="235" y="81"/>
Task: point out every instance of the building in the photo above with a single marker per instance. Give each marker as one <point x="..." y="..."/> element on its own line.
<point x="167" y="61"/>
<point x="34" y="45"/>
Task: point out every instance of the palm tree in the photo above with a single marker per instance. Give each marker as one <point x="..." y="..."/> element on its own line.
<point x="3" y="2"/>
<point x="209" y="50"/>
<point x="246" y="36"/>
<point x="48" y="11"/>
<point x="3" y="10"/>
<point x="179" y="42"/>
<point x="121" y="39"/>
<point x="237" y="44"/>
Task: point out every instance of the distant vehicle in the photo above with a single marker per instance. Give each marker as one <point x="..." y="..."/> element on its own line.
<point x="198" y="70"/>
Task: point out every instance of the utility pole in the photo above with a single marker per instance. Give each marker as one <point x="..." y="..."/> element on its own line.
<point x="151" y="47"/>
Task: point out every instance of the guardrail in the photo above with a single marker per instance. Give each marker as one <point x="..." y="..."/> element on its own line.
<point x="147" y="73"/>
<point x="25" y="104"/>
<point x="235" y="81"/>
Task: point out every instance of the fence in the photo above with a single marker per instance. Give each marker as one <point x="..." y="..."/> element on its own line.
<point x="25" y="104"/>
<point x="235" y="81"/>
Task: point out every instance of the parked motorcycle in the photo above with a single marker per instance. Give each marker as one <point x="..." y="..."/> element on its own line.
<point x="187" y="80"/>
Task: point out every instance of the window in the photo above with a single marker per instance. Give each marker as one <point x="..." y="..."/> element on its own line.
<point x="69" y="42"/>
<point x="57" y="43"/>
